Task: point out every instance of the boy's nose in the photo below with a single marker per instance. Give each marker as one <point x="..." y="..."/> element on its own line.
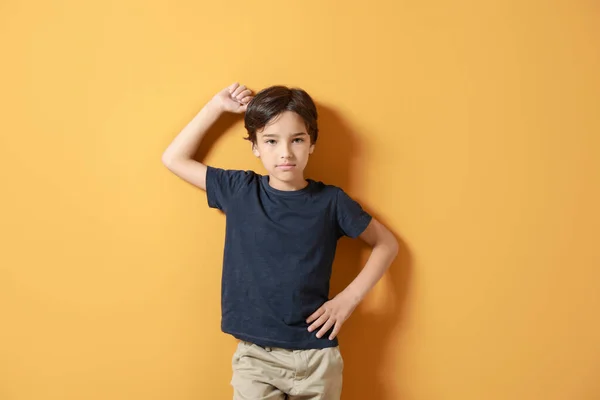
<point x="286" y="153"/>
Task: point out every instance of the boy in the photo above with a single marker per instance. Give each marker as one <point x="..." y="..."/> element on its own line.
<point x="280" y="242"/>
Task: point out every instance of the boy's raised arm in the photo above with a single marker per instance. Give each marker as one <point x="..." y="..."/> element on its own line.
<point x="179" y="155"/>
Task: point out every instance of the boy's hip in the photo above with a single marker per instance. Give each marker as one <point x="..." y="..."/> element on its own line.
<point x="307" y="372"/>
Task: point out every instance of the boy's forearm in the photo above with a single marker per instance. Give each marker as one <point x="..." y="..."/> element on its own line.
<point x="379" y="261"/>
<point x="186" y="143"/>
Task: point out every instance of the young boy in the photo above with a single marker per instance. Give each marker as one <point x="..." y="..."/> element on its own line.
<point x="280" y="242"/>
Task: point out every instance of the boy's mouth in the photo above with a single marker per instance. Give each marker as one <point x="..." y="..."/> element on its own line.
<point x="286" y="166"/>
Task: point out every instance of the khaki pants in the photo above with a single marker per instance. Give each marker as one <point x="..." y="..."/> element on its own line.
<point x="272" y="373"/>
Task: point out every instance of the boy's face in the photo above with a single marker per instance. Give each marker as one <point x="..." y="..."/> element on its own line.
<point x="283" y="147"/>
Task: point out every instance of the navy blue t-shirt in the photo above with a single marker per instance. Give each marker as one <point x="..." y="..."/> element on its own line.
<point x="279" y="249"/>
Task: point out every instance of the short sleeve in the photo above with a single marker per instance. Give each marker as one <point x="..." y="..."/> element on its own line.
<point x="222" y="185"/>
<point x="352" y="220"/>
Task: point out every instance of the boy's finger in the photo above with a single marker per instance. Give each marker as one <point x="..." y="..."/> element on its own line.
<point x="246" y="99"/>
<point x="233" y="86"/>
<point x="315" y="315"/>
<point x="326" y="327"/>
<point x="238" y="90"/>
<point x="336" y="330"/>
<point x="245" y="93"/>
<point x="318" y="322"/>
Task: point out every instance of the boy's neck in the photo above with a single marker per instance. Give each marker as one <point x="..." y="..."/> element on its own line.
<point x="288" y="186"/>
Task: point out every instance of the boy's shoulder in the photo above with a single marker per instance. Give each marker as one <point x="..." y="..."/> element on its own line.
<point x="250" y="175"/>
<point x="324" y="186"/>
<point x="242" y="180"/>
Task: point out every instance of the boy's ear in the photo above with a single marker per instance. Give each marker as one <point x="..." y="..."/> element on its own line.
<point x="255" y="150"/>
<point x="311" y="149"/>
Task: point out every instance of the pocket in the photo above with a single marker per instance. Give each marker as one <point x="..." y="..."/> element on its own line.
<point x="338" y="355"/>
<point x="338" y="351"/>
<point x="239" y="352"/>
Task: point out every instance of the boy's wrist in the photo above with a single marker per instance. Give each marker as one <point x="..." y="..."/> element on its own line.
<point x="352" y="295"/>
<point x="215" y="106"/>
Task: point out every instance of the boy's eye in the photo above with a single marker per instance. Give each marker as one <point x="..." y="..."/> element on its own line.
<point x="270" y="141"/>
<point x="299" y="140"/>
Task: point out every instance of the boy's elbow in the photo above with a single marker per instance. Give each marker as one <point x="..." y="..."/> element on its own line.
<point x="378" y="236"/>
<point x="394" y="246"/>
<point x="391" y="243"/>
<point x="167" y="160"/>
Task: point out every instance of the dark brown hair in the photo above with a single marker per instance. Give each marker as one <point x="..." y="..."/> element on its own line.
<point x="272" y="101"/>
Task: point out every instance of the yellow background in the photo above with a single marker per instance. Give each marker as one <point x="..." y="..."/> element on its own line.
<point x="470" y="128"/>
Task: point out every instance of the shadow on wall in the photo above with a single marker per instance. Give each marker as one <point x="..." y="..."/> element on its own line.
<point x="365" y="336"/>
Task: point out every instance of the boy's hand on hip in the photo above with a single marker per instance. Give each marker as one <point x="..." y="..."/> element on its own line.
<point x="332" y="313"/>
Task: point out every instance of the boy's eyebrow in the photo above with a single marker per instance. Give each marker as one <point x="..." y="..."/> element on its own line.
<point x="277" y="135"/>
